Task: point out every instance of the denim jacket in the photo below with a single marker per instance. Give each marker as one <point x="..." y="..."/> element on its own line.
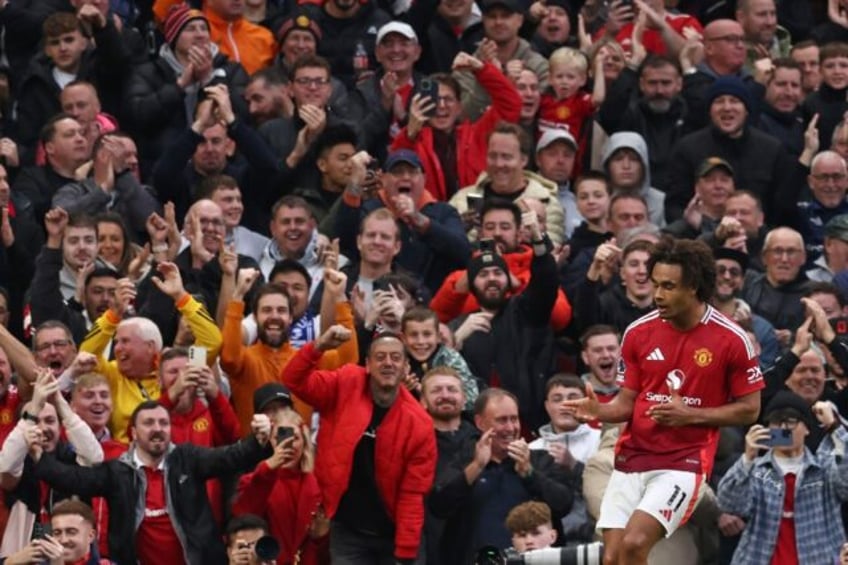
<point x="754" y="491"/>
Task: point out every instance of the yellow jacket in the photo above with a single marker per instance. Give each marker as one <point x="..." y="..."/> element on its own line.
<point x="128" y="393"/>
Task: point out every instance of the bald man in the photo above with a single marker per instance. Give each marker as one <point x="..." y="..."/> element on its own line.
<point x="724" y="55"/>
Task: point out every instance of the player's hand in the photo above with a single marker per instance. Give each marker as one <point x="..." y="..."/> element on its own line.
<point x="673" y="413"/>
<point x="587" y="408"/>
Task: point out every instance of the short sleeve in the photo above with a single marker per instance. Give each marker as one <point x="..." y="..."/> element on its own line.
<point x="628" y="374"/>
<point x="743" y="368"/>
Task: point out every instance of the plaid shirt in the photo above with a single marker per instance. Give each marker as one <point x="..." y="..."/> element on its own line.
<point x="755" y="493"/>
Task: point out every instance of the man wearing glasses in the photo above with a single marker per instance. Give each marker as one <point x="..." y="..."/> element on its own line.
<point x="828" y="182"/>
<point x="775" y="295"/>
<point x="789" y="497"/>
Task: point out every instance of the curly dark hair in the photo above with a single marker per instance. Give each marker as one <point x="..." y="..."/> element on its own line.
<point x="695" y="259"/>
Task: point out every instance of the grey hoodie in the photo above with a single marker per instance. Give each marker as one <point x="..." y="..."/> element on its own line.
<point x="655" y="198"/>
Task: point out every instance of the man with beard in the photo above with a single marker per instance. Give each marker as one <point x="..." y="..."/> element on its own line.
<point x="509" y="343"/>
<point x="763" y="35"/>
<point x="42" y="422"/>
<point x="494" y="471"/>
<point x="251" y="366"/>
<point x="443" y="397"/>
<point x="600" y="352"/>
<point x="376" y="451"/>
<point x="648" y="102"/>
<point x="553" y="26"/>
<point x="500" y="222"/>
<point x="67" y="285"/>
<point x="167" y="481"/>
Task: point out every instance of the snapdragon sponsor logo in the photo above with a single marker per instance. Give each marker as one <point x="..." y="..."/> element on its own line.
<point x="662" y="398"/>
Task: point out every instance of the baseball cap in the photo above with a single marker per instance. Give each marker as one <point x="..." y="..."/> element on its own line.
<point x="510" y="5"/>
<point x="402" y="156"/>
<point x="552" y="135"/>
<point x="837" y="227"/>
<point x="268" y="393"/>
<point x="396" y="27"/>
<point x="710" y="164"/>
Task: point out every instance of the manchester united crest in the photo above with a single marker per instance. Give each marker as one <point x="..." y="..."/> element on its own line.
<point x="200" y="425"/>
<point x="703" y="357"/>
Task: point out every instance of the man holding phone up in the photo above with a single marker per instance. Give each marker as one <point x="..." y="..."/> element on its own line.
<point x="789" y="488"/>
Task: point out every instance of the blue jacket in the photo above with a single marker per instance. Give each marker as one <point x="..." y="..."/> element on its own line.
<point x="755" y="492"/>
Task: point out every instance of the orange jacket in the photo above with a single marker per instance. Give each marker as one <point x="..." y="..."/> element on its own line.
<point x="449" y="304"/>
<point x="242" y="41"/>
<point x="250" y="367"/>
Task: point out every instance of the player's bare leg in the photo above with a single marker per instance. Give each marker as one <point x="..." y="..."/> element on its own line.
<point x="641" y="534"/>
<point x="612" y="544"/>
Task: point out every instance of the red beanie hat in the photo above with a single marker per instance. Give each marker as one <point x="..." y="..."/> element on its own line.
<point x="178" y="16"/>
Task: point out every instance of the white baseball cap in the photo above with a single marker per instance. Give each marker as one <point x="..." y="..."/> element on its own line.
<point x="396" y="27"/>
<point x="555" y="134"/>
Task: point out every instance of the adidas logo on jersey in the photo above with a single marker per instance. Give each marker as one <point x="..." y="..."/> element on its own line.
<point x="666" y="513"/>
<point x="655" y="355"/>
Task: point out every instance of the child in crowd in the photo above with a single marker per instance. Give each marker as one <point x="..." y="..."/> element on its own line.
<point x="565" y="105"/>
<point x="531" y="526"/>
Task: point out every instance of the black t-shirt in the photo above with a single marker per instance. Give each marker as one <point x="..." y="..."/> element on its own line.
<point x="361" y="508"/>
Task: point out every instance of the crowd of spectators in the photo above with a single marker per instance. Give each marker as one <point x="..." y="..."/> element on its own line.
<point x="302" y="281"/>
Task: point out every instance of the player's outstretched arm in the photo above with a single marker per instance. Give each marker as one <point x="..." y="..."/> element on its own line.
<point x="617" y="411"/>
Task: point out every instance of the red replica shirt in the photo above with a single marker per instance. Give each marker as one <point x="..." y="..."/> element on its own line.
<point x="156" y="541"/>
<point x="569" y="113"/>
<point x="786" y="550"/>
<point x="652" y="38"/>
<point x="710" y="364"/>
<point x="9" y="405"/>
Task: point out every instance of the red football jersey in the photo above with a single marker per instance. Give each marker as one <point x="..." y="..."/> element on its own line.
<point x="710" y="365"/>
<point x="652" y="38"/>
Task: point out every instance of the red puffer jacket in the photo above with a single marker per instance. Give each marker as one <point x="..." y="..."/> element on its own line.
<point x="405" y="449"/>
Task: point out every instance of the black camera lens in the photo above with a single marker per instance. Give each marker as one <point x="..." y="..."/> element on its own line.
<point x="267" y="548"/>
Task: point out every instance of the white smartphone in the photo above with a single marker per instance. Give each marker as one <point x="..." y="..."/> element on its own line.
<point x="197" y="355"/>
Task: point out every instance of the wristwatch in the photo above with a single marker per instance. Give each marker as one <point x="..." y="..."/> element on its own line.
<point x="29" y="417"/>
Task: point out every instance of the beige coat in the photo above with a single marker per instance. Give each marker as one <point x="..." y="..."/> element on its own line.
<point x="538" y="187"/>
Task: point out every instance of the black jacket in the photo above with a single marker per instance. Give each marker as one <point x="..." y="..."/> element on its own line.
<point x="155" y="108"/>
<point x="519" y="349"/>
<point x="625" y="110"/>
<point x="759" y="161"/>
<point x="779" y="305"/>
<point x="830" y="105"/>
<point x="461" y="504"/>
<point x="787" y="127"/>
<point x="595" y="304"/>
<point x="175" y="178"/>
<point x="104" y="66"/>
<point x="39" y="184"/>
<point x="17" y="263"/>
<point x="440" y="44"/>
<point x="341" y="36"/>
<point x="45" y="295"/>
<point x="122" y="484"/>
<point x="430" y="257"/>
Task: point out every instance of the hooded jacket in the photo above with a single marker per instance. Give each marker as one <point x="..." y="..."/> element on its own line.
<point x="634" y="141"/>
